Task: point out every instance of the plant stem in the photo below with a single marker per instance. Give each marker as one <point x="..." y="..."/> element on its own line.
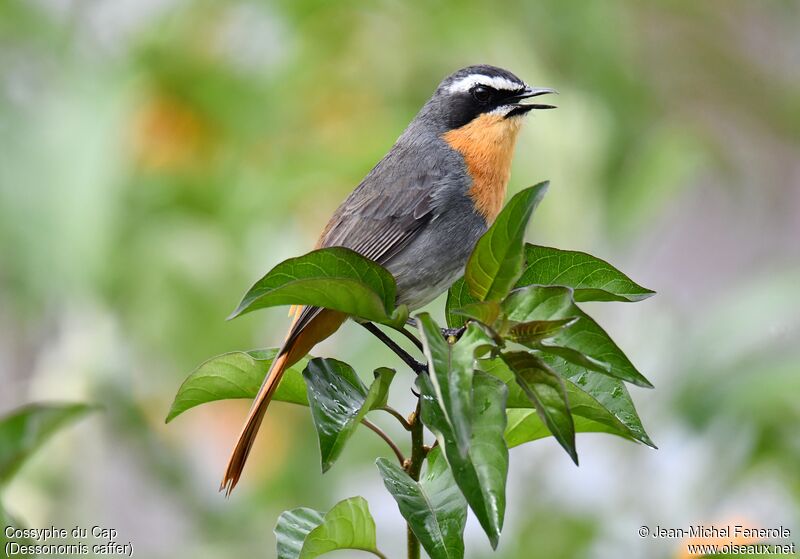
<point x="378" y="431"/>
<point x="415" y="365"/>
<point x="413" y="466"/>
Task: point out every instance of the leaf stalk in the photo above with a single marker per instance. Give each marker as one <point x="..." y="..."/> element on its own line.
<point x="382" y="434"/>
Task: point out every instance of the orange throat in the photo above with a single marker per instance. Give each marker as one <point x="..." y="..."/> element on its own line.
<point x="487" y="145"/>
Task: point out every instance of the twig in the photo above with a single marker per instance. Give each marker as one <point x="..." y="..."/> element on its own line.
<point x="415" y="365"/>
<point x="398" y="416"/>
<point x="378" y="431"/>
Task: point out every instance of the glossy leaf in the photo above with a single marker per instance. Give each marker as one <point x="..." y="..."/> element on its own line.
<point x="481" y="473"/>
<point x="237" y="374"/>
<point x="588" y="338"/>
<point x="304" y="533"/>
<point x="591" y="278"/>
<point x="545" y="390"/>
<point x="339" y="401"/>
<point x="25" y="429"/>
<point x="292" y="528"/>
<point x="597" y="396"/>
<point x="573" y="356"/>
<point x="592" y="396"/>
<point x="485" y="312"/>
<point x="335" y="278"/>
<point x="496" y="263"/>
<point x="537" y="303"/>
<point x="433" y="507"/>
<point x="525" y="425"/>
<point x="540" y="303"/>
<point x="451" y="369"/>
<point x="537" y="330"/>
<point x="584" y="336"/>
<point x="458" y="297"/>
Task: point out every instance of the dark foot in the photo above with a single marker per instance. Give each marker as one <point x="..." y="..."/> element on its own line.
<point x="419" y="367"/>
<point x="455" y="333"/>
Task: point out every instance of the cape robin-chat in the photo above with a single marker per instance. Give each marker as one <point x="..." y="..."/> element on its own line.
<point x="419" y="211"/>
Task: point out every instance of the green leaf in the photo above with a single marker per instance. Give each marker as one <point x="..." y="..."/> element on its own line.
<point x="496" y="263"/>
<point x="597" y="396"/>
<point x="378" y="395"/>
<point x="339" y="401"/>
<point x="574" y="356"/>
<point x="481" y="474"/>
<point x="537" y="330"/>
<point x="304" y="533"/>
<point x="334" y="278"/>
<point x="458" y="297"/>
<point x="237" y="374"/>
<point x="25" y="429"/>
<point x="433" y="506"/>
<point x="591" y="278"/>
<point x="585" y="336"/>
<point x="525" y="425"/>
<point x="545" y="389"/>
<point x="292" y="528"/>
<point x="451" y="369"/>
<point x="540" y="303"/>
<point x="592" y="396"/>
<point x="485" y="312"/>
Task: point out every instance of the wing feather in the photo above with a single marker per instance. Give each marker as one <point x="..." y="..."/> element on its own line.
<point x="377" y="223"/>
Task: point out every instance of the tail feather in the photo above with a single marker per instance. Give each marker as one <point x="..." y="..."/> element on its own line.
<point x="248" y="434"/>
<point x="297" y="345"/>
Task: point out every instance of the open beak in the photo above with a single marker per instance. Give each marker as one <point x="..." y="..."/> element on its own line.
<point x="527" y="93"/>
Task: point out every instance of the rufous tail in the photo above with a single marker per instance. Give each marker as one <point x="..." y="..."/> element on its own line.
<point x="297" y="345"/>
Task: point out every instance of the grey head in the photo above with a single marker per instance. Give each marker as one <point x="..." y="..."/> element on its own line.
<point x="476" y="90"/>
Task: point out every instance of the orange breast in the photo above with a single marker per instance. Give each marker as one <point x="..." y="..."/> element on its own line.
<point x="487" y="144"/>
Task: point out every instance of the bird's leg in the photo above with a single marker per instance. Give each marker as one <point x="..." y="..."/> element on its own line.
<point x="411" y="337"/>
<point x="415" y="365"/>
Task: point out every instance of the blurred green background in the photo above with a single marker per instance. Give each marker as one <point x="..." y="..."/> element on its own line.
<point x="157" y="156"/>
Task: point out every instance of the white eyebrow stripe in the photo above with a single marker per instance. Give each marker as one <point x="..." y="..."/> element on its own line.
<point x="468" y="82"/>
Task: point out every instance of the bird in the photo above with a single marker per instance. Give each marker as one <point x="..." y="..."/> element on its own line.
<point x="419" y="212"/>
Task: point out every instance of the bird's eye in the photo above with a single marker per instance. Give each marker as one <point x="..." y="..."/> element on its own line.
<point x="481" y="94"/>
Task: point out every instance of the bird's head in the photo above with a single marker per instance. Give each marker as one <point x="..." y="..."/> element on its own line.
<point x="478" y="111"/>
<point x="488" y="93"/>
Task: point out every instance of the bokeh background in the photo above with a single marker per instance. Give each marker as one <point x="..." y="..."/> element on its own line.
<point x="157" y="156"/>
